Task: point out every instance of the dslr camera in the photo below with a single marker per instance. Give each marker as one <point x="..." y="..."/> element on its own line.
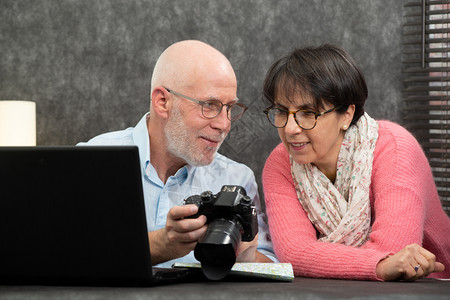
<point x="232" y="218"/>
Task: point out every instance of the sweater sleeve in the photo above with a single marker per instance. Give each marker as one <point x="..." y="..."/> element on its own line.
<point x="295" y="238"/>
<point x="402" y="189"/>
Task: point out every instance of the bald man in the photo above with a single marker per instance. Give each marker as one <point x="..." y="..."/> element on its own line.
<point x="193" y="102"/>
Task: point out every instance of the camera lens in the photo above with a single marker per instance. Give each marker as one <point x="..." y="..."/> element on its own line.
<point x="217" y="250"/>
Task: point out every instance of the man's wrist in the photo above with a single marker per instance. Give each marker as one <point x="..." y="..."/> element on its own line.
<point x="155" y="239"/>
<point x="261" y="258"/>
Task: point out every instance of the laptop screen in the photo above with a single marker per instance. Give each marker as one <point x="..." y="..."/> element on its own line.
<point x="72" y="215"/>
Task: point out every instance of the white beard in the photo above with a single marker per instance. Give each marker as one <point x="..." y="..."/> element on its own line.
<point x="182" y="142"/>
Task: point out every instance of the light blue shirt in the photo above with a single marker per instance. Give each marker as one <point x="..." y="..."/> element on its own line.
<point x="187" y="181"/>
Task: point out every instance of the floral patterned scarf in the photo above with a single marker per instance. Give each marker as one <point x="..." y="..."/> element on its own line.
<point x="341" y="211"/>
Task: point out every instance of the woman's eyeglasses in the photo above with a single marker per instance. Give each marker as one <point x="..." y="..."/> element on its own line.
<point x="305" y="119"/>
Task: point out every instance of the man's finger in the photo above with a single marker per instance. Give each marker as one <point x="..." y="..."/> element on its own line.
<point x="179" y="212"/>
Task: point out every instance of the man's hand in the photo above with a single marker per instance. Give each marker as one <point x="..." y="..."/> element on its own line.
<point x="180" y="235"/>
<point x="247" y="252"/>
<point x="411" y="263"/>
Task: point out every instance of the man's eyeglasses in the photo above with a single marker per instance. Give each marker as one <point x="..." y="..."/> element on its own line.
<point x="305" y="119"/>
<point x="212" y="108"/>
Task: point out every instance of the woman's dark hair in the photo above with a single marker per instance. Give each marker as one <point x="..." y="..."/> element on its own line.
<point x="327" y="73"/>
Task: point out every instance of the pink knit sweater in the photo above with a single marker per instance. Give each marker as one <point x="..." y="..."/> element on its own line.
<point x="405" y="209"/>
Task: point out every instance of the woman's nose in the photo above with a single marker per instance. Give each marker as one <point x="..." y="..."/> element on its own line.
<point x="292" y="126"/>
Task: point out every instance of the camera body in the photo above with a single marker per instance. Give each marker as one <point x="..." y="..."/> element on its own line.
<point x="232" y="218"/>
<point x="231" y="203"/>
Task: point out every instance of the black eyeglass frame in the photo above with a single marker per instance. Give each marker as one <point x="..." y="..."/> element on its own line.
<point x="204" y="102"/>
<point x="316" y="115"/>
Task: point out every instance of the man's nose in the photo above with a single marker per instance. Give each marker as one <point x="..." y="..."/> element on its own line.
<point x="221" y="121"/>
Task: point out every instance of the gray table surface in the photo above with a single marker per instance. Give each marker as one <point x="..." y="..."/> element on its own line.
<point x="300" y="288"/>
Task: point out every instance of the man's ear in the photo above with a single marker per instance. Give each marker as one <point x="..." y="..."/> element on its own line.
<point x="161" y="102"/>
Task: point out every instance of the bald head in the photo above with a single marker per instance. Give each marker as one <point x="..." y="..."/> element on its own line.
<point x="178" y="129"/>
<point x="185" y="63"/>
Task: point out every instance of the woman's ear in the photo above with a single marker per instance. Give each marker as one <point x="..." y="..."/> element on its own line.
<point x="348" y="116"/>
<point x="161" y="102"/>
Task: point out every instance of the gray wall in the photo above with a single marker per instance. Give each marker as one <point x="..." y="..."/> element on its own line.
<point x="88" y="63"/>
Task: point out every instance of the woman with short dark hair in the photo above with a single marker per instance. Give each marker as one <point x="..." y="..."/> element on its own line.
<point x="346" y="196"/>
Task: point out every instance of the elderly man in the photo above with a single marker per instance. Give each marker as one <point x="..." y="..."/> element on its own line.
<point x="193" y="101"/>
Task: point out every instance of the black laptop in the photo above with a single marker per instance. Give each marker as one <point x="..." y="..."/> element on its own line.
<point x="75" y="216"/>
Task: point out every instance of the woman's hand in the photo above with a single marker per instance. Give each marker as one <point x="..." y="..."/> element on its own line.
<point x="411" y="263"/>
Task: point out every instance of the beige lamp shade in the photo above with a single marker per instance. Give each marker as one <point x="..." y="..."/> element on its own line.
<point x="17" y="123"/>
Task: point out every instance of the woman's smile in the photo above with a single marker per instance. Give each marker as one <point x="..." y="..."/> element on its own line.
<point x="298" y="146"/>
